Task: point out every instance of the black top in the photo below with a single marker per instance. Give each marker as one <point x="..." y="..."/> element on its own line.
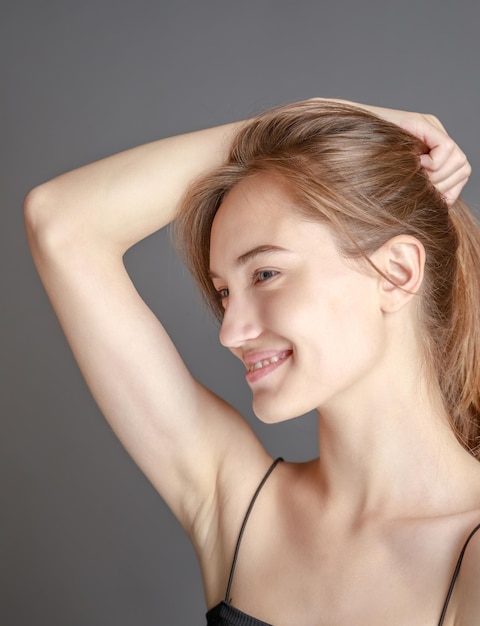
<point x="225" y="614"/>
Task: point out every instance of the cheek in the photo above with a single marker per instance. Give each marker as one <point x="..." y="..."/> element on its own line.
<point x="332" y="318"/>
<point x="341" y="333"/>
<point x="356" y="338"/>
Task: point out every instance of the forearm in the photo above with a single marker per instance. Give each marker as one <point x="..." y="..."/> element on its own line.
<point x="119" y="200"/>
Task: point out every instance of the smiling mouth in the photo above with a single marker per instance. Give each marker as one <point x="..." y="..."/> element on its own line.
<point x="265" y="362"/>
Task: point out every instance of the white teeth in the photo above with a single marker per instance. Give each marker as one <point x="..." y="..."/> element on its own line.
<point x="260" y="364"/>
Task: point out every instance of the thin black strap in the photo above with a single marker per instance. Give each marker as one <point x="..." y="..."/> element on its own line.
<point x="455" y="575"/>
<point x="244" y="524"/>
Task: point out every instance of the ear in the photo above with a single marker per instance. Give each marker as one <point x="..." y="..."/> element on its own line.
<point x="402" y="261"/>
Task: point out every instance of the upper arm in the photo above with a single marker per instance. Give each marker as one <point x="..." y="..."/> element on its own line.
<point x="181" y="435"/>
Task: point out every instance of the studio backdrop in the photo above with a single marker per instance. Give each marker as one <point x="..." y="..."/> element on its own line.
<point x="85" y="539"/>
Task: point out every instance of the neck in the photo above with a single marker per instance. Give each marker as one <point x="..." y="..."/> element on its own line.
<point x="391" y="453"/>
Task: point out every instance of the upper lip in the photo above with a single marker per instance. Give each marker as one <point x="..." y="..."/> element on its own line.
<point x="250" y="358"/>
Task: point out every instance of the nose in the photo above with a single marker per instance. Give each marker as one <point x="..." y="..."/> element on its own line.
<point x="240" y="323"/>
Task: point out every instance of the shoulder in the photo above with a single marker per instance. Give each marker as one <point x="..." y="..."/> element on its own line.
<point x="469" y="581"/>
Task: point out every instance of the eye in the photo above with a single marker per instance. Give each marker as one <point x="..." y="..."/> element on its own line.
<point x="260" y="276"/>
<point x="223" y="293"/>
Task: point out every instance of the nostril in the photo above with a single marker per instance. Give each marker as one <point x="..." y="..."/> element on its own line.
<point x="236" y="329"/>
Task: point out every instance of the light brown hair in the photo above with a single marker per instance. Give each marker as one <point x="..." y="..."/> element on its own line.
<point x="362" y="175"/>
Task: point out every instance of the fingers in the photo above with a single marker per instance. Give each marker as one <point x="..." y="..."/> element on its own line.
<point x="448" y="169"/>
<point x="446" y="164"/>
<point x="453" y="192"/>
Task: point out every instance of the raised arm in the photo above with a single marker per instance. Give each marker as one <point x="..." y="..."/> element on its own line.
<point x="79" y="226"/>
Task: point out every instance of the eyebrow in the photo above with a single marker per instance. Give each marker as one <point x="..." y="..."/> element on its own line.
<point x="244" y="258"/>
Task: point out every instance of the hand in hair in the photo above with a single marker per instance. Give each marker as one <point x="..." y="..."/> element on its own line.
<point x="446" y="163"/>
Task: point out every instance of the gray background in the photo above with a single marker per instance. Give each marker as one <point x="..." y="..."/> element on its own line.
<point x="84" y="539"/>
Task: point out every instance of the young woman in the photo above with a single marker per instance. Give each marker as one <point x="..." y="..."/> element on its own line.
<point x="332" y="247"/>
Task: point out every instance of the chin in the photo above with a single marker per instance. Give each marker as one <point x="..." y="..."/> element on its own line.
<point x="275" y="412"/>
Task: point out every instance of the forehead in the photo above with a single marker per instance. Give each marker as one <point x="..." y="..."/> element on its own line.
<point x="257" y="205"/>
<point x="265" y="194"/>
<point x="260" y="211"/>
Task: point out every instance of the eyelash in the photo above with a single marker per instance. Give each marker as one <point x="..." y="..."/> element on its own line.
<point x="256" y="278"/>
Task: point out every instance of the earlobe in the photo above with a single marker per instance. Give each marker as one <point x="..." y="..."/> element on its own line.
<point x="403" y="262"/>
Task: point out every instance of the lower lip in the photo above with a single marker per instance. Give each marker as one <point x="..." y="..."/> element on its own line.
<point x="255" y="375"/>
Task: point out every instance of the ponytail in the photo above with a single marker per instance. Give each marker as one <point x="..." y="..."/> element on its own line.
<point x="460" y="379"/>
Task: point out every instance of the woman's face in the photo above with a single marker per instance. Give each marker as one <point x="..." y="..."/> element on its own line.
<point x="305" y="321"/>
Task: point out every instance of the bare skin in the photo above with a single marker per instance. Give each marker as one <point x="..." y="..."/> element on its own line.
<point x="321" y="531"/>
<point x="350" y="521"/>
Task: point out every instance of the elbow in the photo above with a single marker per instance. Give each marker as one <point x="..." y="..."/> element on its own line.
<point x="43" y="221"/>
<point x="33" y="209"/>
